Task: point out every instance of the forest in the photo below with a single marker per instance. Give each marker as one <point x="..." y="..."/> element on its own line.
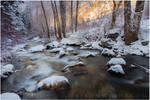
<point x="76" y="49"/>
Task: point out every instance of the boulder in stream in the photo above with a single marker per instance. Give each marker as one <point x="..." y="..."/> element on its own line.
<point x="6" y="70"/>
<point x="115" y="61"/>
<point x="54" y="83"/>
<point x="75" y="68"/>
<point x="108" y="52"/>
<point x="10" y="96"/>
<point x="52" y="45"/>
<point x="117" y="69"/>
<point x="37" y="48"/>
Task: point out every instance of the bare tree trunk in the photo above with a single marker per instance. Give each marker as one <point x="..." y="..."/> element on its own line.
<point x="45" y="19"/>
<point x="63" y="17"/>
<point x="55" y="20"/>
<point x="76" y="24"/>
<point x="113" y="14"/>
<point x="131" y="27"/>
<point x="137" y="16"/>
<point x="127" y="22"/>
<point x="115" y="8"/>
<point x="71" y="16"/>
<point x="58" y="22"/>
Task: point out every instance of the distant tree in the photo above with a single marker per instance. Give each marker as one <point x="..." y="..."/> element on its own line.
<point x="72" y="16"/>
<point x="131" y="27"/>
<point x="58" y="21"/>
<point x="11" y="18"/>
<point x="46" y="21"/>
<point x="63" y="16"/>
<point x="55" y="20"/>
<point x="76" y="24"/>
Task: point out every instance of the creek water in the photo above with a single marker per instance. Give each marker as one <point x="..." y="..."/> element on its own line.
<point x="92" y="82"/>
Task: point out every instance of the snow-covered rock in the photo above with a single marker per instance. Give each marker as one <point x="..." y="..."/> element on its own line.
<point x="106" y="43"/>
<point x="67" y="67"/>
<point x="35" y="38"/>
<point x="68" y="41"/>
<point x="116" y="69"/>
<point x="53" y="82"/>
<point x="10" y="96"/>
<point x="52" y="45"/>
<point x="19" y="47"/>
<point x="37" y="48"/>
<point x="114" y="30"/>
<point x="62" y="53"/>
<point x="55" y="50"/>
<point x="115" y="61"/>
<point x="69" y="49"/>
<point x="108" y="52"/>
<point x="5" y="69"/>
<point x="88" y="53"/>
<point x="95" y="45"/>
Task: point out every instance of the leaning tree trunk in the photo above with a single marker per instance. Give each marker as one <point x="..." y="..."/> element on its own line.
<point x="45" y="19"/>
<point x="76" y="24"/>
<point x="63" y="17"/>
<point x="71" y="16"/>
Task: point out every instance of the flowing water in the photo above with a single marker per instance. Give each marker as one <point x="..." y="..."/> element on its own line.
<point x="92" y="82"/>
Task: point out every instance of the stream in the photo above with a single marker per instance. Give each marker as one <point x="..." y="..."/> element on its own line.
<point x="93" y="81"/>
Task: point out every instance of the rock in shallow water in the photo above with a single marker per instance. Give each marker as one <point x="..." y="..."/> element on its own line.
<point x="108" y="52"/>
<point x="117" y="69"/>
<point x="10" y="96"/>
<point x="37" y="48"/>
<point x="54" y="83"/>
<point x="115" y="61"/>
<point x="6" y="69"/>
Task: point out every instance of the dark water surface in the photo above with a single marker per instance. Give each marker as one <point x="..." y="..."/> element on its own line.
<point x="96" y="82"/>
